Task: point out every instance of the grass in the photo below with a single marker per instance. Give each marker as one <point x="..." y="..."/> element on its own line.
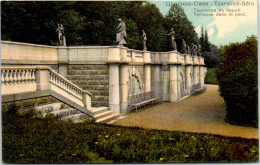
<point x="34" y="140"/>
<point x="211" y="76"/>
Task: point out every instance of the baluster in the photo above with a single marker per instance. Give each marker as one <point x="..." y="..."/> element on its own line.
<point x="11" y="80"/>
<point x="33" y="76"/>
<point x="51" y="77"/>
<point x="55" y="79"/>
<point x="61" y="83"/>
<point x="19" y="77"/>
<point x="15" y="77"/>
<point x="30" y="76"/>
<point x="25" y="76"/>
<point x="66" y="86"/>
<point x="22" y="77"/>
<point x="2" y="77"/>
<point x="6" y="77"/>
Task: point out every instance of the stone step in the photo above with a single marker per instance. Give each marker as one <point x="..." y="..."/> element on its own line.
<point x="116" y="119"/>
<point x="97" y="110"/>
<point x="65" y="112"/>
<point x="107" y="118"/>
<point x="47" y="108"/>
<point x="102" y="115"/>
<point x="76" y="117"/>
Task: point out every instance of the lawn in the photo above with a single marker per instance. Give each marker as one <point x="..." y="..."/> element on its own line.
<point x="211" y="77"/>
<point x="33" y="140"/>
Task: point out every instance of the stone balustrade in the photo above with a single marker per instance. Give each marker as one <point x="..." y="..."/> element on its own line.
<point x="24" y="53"/>
<point x="18" y="79"/>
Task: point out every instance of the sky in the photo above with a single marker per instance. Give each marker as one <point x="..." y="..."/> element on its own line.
<point x="222" y="30"/>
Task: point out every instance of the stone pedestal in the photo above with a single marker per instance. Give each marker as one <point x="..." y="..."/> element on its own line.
<point x="147" y="78"/>
<point x="42" y="78"/>
<point x="173" y="83"/>
<point x="86" y="98"/>
<point x="124" y="79"/>
<point x="114" y="101"/>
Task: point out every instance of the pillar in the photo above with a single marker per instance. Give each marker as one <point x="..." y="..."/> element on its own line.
<point x="202" y="84"/>
<point x="63" y="70"/>
<point x="173" y="83"/>
<point x="156" y="79"/>
<point x="124" y="79"/>
<point x="147" y="78"/>
<point x="178" y="81"/>
<point x="42" y="78"/>
<point x="86" y="98"/>
<point x="196" y="78"/>
<point x="188" y="79"/>
<point x="114" y="101"/>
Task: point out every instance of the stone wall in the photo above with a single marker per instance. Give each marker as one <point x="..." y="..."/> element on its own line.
<point x="93" y="78"/>
<point x="165" y="86"/>
<point x="30" y="102"/>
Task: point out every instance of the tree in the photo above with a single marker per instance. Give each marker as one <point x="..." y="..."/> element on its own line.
<point x="184" y="29"/>
<point x="206" y="42"/>
<point x="202" y="38"/>
<point x="95" y="23"/>
<point x="36" y="22"/>
<point x="237" y="77"/>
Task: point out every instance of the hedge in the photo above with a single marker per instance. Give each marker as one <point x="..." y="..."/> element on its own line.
<point x="237" y="77"/>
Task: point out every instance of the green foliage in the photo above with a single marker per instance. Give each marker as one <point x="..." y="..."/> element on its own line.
<point x="212" y="58"/>
<point x="184" y="29"/>
<point x="36" y="22"/>
<point x="202" y="38"/>
<point x="12" y="109"/>
<point x="211" y="77"/>
<point x="94" y="23"/>
<point x="237" y="77"/>
<point x="206" y="42"/>
<point x="35" y="140"/>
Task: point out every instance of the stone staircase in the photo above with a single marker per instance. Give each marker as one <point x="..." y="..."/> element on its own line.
<point x="64" y="112"/>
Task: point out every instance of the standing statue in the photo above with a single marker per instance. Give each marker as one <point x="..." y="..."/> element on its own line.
<point x="121" y="33"/>
<point x="188" y="50"/>
<point x="199" y="50"/>
<point x="184" y="46"/>
<point x="61" y="35"/>
<point x="172" y="34"/>
<point x="194" y="49"/>
<point x="144" y="40"/>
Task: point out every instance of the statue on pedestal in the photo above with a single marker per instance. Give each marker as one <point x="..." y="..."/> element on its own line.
<point x="194" y="49"/>
<point x="144" y="40"/>
<point x="121" y="33"/>
<point x="172" y="34"/>
<point x="184" y="46"/>
<point x="61" y="36"/>
<point x="199" y="50"/>
<point x="188" y="50"/>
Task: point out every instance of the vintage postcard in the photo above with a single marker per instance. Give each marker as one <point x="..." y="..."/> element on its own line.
<point x="129" y="81"/>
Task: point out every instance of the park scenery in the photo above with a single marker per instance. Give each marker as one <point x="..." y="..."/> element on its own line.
<point x="129" y="81"/>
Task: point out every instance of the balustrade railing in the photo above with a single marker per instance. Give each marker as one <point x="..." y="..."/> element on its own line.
<point x="66" y="85"/>
<point x="17" y="75"/>
<point x="19" y="79"/>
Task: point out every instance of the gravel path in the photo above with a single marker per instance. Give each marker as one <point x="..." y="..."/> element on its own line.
<point x="202" y="112"/>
